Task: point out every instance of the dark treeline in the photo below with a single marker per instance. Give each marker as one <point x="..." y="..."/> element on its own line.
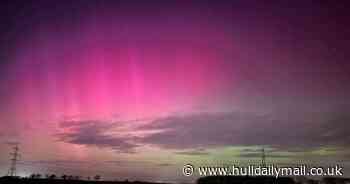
<point x="269" y="180"/>
<point x="204" y="180"/>
<point x="16" y="180"/>
<point x="243" y="180"/>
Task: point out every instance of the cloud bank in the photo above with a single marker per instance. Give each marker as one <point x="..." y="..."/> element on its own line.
<point x="213" y="130"/>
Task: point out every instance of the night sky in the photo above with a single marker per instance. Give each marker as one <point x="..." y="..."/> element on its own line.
<point x="136" y="89"/>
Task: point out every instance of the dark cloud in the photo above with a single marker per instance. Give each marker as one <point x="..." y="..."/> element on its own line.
<point x="292" y="132"/>
<point x="94" y="133"/>
<point x="247" y="129"/>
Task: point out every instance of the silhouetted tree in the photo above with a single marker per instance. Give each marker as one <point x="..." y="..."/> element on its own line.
<point x="64" y="177"/>
<point x="52" y="176"/>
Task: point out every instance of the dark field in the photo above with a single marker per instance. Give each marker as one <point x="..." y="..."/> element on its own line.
<point x="204" y="180"/>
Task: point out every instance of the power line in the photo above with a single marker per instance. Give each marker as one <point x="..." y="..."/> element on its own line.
<point x="15" y="155"/>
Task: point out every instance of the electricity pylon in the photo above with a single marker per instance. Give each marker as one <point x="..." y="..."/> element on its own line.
<point x="14" y="159"/>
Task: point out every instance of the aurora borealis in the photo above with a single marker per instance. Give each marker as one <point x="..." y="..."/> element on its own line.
<point x="136" y="89"/>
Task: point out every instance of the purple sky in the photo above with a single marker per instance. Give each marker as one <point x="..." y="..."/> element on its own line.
<point x="137" y="89"/>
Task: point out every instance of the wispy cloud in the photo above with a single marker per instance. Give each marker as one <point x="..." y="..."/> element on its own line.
<point x="94" y="133"/>
<point x="230" y="129"/>
<point x="209" y="130"/>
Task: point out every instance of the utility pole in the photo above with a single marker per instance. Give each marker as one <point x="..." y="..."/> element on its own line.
<point x="263" y="158"/>
<point x="14" y="159"/>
